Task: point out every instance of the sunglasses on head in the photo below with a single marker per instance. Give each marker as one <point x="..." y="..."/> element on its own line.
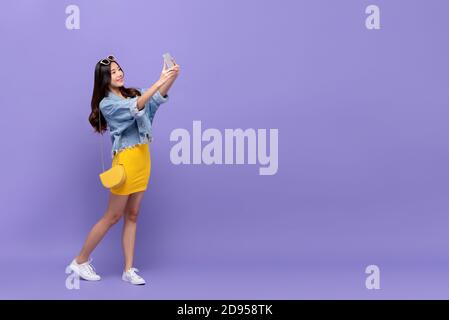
<point x="107" y="61"/>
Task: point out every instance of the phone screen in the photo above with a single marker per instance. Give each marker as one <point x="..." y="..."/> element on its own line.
<point x="168" y="60"/>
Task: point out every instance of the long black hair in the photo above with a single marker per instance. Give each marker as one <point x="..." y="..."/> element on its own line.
<point x="101" y="88"/>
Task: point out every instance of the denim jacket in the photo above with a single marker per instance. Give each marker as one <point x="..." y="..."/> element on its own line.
<point x="127" y="124"/>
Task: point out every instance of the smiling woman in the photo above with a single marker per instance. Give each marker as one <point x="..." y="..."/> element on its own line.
<point x="129" y="113"/>
<point x="117" y="76"/>
<point x="109" y="77"/>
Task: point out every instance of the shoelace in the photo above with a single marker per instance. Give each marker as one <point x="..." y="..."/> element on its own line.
<point x="90" y="268"/>
<point x="133" y="274"/>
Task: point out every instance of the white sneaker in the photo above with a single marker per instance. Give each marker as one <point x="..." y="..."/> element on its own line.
<point x="131" y="276"/>
<point x="85" y="270"/>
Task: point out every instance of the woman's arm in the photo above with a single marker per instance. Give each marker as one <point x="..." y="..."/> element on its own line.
<point x="166" y="86"/>
<point x="167" y="75"/>
<point x="144" y="98"/>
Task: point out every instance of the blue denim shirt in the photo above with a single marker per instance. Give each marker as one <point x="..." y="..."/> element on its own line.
<point x="127" y="125"/>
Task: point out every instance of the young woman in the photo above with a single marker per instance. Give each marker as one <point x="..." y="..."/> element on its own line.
<point x="129" y="114"/>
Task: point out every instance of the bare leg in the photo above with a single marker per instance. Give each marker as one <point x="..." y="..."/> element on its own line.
<point x="114" y="212"/>
<point x="129" y="227"/>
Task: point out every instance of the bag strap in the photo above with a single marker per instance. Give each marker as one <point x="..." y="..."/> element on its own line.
<point x="101" y="140"/>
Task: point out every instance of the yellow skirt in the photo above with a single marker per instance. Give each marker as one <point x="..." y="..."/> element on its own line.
<point x="137" y="163"/>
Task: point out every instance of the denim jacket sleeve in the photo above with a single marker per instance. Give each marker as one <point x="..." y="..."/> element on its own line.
<point x="153" y="104"/>
<point x="120" y="113"/>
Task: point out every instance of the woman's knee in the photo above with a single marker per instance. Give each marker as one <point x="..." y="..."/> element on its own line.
<point x="132" y="214"/>
<point x="112" y="218"/>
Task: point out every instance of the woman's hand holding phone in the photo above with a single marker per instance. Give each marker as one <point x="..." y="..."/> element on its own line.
<point x="168" y="73"/>
<point x="176" y="67"/>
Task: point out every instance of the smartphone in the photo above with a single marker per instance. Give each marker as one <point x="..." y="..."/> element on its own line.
<point x="168" y="60"/>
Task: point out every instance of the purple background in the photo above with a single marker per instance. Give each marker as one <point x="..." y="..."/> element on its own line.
<point x="363" y="149"/>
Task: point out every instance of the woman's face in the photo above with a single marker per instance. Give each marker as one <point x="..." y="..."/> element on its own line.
<point x="117" y="76"/>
